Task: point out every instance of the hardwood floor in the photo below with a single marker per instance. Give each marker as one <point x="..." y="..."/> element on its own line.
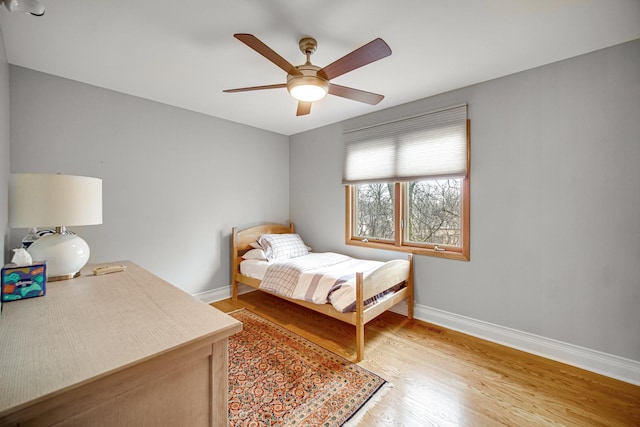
<point x="444" y="378"/>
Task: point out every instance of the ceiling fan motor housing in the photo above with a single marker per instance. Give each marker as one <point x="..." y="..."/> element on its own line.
<point x="308" y="45"/>
<point x="308" y="86"/>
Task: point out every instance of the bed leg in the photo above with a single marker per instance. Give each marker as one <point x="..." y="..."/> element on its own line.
<point x="234" y="264"/>
<point x="359" y="317"/>
<point x="410" y="301"/>
<point x="359" y="343"/>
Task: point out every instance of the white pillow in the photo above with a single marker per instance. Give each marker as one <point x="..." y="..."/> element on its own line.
<point x="282" y="246"/>
<point x="254" y="254"/>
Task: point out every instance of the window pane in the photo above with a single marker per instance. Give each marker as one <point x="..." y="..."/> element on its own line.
<point x="435" y="211"/>
<point x="374" y="213"/>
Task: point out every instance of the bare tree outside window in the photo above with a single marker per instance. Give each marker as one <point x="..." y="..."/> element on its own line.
<point x="435" y="210"/>
<point x="375" y="211"/>
<point x="433" y="214"/>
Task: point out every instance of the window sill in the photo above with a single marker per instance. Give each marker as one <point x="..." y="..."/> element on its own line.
<point x="460" y="256"/>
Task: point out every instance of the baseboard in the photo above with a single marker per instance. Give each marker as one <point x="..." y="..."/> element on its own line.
<point x="595" y="361"/>
<point x="620" y="368"/>
<point x="212" y="296"/>
<point x="219" y="294"/>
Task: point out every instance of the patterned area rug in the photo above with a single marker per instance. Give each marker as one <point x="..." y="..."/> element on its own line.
<point x="278" y="378"/>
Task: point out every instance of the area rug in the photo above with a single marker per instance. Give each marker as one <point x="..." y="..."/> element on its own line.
<point x="278" y="378"/>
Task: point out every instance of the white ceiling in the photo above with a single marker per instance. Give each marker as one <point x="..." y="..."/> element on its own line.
<point x="183" y="53"/>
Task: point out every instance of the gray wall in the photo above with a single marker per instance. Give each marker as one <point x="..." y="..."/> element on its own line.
<point x="4" y="146"/>
<point x="555" y="201"/>
<point x="174" y="181"/>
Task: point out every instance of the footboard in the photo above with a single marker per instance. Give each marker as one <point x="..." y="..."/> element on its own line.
<point x="386" y="277"/>
<point x="383" y="278"/>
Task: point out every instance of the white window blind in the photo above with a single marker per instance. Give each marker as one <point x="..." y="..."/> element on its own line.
<point x="427" y="146"/>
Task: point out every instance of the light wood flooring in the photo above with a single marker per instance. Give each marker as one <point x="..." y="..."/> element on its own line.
<point x="444" y="378"/>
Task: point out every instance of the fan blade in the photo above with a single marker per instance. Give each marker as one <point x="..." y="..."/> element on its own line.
<point x="370" y="52"/>
<point x="254" y="43"/>
<point x="304" y="108"/>
<point x="246" y="89"/>
<point x="355" y="94"/>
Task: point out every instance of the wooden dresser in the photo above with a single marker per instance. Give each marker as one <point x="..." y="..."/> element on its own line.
<point x="122" y="349"/>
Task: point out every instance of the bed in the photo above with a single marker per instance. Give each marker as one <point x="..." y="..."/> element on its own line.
<point x="357" y="297"/>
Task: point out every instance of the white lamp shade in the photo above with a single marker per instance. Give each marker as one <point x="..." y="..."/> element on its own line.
<point x="50" y="200"/>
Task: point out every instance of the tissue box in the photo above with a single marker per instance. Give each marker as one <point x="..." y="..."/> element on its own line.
<point x="23" y="282"/>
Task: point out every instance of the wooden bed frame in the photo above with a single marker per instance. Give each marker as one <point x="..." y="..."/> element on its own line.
<point x="386" y="276"/>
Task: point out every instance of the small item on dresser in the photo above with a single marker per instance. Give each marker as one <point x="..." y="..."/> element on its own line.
<point x="21" y="257"/>
<point x="20" y="282"/>
<point x="106" y="269"/>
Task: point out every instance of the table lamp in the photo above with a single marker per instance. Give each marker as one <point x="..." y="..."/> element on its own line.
<point x="49" y="200"/>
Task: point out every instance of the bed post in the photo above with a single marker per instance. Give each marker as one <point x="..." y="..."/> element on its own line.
<point x="410" y="301"/>
<point x="359" y="317"/>
<point x="234" y="264"/>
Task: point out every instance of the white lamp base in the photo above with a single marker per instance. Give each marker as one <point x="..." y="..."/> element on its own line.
<point x="64" y="253"/>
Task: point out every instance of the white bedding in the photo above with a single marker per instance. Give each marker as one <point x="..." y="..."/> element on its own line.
<point x="316" y="277"/>
<point x="254" y="268"/>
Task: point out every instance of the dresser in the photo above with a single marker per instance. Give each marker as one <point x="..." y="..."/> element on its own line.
<point x="121" y="349"/>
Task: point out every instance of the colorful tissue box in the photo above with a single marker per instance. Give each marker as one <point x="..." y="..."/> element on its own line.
<point x="23" y="282"/>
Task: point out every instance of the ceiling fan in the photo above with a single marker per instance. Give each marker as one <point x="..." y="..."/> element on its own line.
<point x="308" y="82"/>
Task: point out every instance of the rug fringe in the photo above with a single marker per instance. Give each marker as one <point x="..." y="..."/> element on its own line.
<point x="375" y="399"/>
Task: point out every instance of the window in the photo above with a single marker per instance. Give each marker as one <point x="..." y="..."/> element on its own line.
<point x="407" y="185"/>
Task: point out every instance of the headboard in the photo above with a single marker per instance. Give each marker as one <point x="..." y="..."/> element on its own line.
<point x="242" y="239"/>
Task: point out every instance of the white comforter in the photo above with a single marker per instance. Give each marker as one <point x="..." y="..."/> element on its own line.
<point x="318" y="278"/>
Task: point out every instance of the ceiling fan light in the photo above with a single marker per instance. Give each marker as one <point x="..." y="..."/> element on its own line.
<point x="307" y="88"/>
<point x="308" y="93"/>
